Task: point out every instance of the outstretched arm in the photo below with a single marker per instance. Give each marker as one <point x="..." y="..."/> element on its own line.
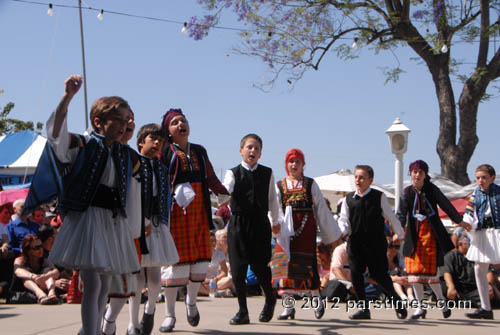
<point x="71" y="87"/>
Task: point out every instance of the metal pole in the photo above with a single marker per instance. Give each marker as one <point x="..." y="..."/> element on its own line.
<point x="398" y="187"/>
<point x="83" y="64"/>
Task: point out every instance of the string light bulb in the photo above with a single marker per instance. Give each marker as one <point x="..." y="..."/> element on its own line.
<point x="355" y="45"/>
<point x="50" y="11"/>
<point x="444" y="48"/>
<point x="184" y="29"/>
<point x="100" y="16"/>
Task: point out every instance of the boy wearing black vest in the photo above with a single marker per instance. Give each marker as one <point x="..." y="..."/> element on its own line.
<point x="362" y="217"/>
<point x="253" y="196"/>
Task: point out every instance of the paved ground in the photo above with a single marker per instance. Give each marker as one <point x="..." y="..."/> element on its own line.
<point x="215" y="314"/>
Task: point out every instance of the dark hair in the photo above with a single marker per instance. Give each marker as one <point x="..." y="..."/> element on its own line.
<point x="45" y="232"/>
<point x="367" y="168"/>
<point x="153" y="129"/>
<point x="9" y="207"/>
<point x="102" y="107"/>
<point x="254" y="136"/>
<point x="325" y="249"/>
<point x="25" y="247"/>
<point x="486" y="168"/>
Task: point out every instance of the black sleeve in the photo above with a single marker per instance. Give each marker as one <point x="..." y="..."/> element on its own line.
<point x="446" y="205"/>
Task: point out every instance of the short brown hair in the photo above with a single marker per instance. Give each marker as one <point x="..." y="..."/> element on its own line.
<point x="102" y="107"/>
<point x="367" y="168"/>
<point x="486" y="168"/>
<point x="148" y="129"/>
<point x="254" y="136"/>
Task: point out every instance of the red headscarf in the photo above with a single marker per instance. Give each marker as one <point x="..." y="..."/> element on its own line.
<point x="294" y="153"/>
<point x="167" y="118"/>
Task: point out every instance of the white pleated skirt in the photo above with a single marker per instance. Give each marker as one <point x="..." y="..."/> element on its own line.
<point x="484" y="246"/>
<point x="161" y="247"/>
<point x="94" y="240"/>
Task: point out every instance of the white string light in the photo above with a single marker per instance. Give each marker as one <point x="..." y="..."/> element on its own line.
<point x="100" y="16"/>
<point x="184" y="29"/>
<point x="50" y="11"/>
<point x="444" y="48"/>
<point x="355" y="45"/>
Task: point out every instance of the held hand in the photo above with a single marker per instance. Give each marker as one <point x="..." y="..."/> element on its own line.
<point x="465" y="225"/>
<point x="276" y="229"/>
<point x="149" y="229"/>
<point x="62" y="284"/>
<point x="72" y="84"/>
<point x="396" y="237"/>
<point x="452" y="293"/>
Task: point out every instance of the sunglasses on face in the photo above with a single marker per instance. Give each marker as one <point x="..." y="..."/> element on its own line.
<point x="394" y="246"/>
<point x="36" y="247"/>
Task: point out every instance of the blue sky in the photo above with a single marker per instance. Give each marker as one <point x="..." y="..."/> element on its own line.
<point x="337" y="115"/>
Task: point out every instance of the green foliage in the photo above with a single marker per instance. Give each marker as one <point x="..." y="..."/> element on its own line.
<point x="10" y="125"/>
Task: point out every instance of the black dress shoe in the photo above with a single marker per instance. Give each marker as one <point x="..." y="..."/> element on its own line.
<point x="446" y="313"/>
<point x="362" y="314"/>
<point x="147" y="323"/>
<point x="288" y="313"/>
<point x="168" y="329"/>
<point x="241" y="318"/>
<point x="419" y="314"/>
<point x="320" y="310"/>
<point x="480" y="314"/>
<point x="195" y="319"/>
<point x="401" y="313"/>
<point x="267" y="312"/>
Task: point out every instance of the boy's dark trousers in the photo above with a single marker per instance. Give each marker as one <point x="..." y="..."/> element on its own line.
<point x="365" y="250"/>
<point x="249" y="243"/>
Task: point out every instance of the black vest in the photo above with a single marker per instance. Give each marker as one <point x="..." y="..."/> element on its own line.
<point x="250" y="196"/>
<point x="365" y="214"/>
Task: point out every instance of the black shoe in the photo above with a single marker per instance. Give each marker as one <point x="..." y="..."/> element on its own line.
<point x="267" y="312"/>
<point x="195" y="319"/>
<point x="480" y="314"/>
<point x="147" y="323"/>
<point x="419" y="314"/>
<point x="288" y="313"/>
<point x="362" y="314"/>
<point x="241" y="318"/>
<point x="169" y="328"/>
<point x="446" y="313"/>
<point x="320" y="310"/>
<point x="135" y="331"/>
<point x="401" y="313"/>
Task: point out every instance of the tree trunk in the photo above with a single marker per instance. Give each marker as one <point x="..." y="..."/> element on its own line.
<point x="455" y="157"/>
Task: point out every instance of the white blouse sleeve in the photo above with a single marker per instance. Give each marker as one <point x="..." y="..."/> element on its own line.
<point x="344" y="224"/>
<point x="229" y="181"/>
<point x="328" y="227"/>
<point x="60" y="144"/>
<point x="274" y="205"/>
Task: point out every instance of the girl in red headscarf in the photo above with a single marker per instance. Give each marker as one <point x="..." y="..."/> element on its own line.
<point x="293" y="265"/>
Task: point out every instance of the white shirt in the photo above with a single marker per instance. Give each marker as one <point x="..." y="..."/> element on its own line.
<point x="274" y="207"/>
<point x="387" y="213"/>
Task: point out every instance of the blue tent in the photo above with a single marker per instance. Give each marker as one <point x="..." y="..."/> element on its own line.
<point x="19" y="155"/>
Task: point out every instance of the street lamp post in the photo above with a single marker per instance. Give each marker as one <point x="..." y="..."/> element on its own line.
<point x="398" y="139"/>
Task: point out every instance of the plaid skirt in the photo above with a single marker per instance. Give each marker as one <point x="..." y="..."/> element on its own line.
<point x="424" y="260"/>
<point x="189" y="229"/>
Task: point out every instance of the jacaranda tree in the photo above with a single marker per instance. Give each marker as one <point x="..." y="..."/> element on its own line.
<point x="294" y="36"/>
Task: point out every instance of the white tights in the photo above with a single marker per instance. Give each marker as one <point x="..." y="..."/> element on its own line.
<point x="481" y="273"/>
<point x="418" y="289"/>
<point x="95" y="295"/>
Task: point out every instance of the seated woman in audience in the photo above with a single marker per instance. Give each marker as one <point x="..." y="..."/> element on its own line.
<point x="396" y="271"/>
<point x="33" y="272"/>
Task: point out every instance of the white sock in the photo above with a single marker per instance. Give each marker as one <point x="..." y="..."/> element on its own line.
<point x="134" y="303"/>
<point x="114" y="307"/>
<point x="154" y="281"/>
<point x="192" y="293"/>
<point x="436" y="288"/>
<point x="170" y="296"/>
<point x="481" y="272"/>
<point x="418" y="289"/>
